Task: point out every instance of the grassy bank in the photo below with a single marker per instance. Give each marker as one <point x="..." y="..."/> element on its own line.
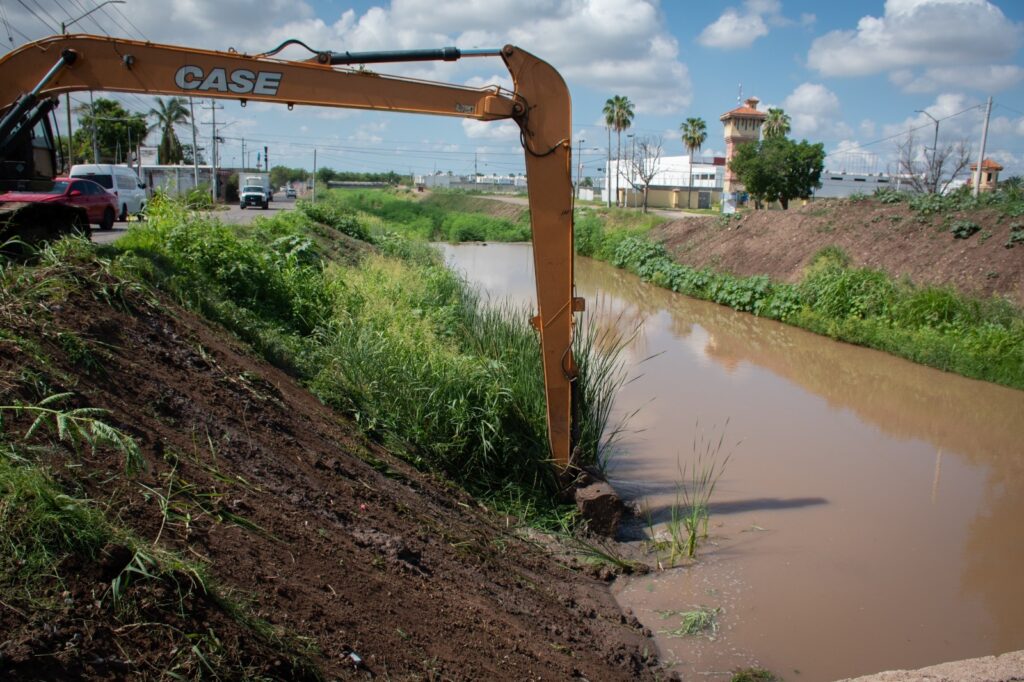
<point x="982" y="339"/>
<point x="389" y="336"/>
<point x="446" y="216"/>
<point x="935" y="326"/>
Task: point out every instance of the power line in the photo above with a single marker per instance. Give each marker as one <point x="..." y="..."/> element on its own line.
<point x="130" y="22"/>
<point x="38" y="18"/>
<point x="901" y="133"/>
<point x="1019" y="113"/>
<point x="48" y="15"/>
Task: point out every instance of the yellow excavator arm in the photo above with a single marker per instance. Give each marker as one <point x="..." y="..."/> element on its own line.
<point x="539" y="104"/>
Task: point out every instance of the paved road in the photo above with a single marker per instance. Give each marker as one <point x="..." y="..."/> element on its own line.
<point x="232" y="214"/>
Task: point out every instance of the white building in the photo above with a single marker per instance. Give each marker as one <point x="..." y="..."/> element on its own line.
<point x="671" y="179"/>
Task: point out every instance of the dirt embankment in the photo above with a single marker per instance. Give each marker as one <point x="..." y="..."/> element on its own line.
<point x="887" y="237"/>
<point x="377" y="568"/>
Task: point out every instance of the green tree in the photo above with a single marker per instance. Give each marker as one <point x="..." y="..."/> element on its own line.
<point x="776" y="124"/>
<point x="695" y="131"/>
<point x="325" y="174"/>
<point x="169" y="113"/>
<point x="186" y="154"/>
<point x="117" y="131"/>
<point x="618" y="115"/>
<point x="779" y="169"/>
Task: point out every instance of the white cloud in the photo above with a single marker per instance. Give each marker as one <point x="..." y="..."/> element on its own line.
<point x="986" y="78"/>
<point x="739" y="28"/>
<point x="490" y="130"/>
<point x="815" y="112"/>
<point x="1001" y="125"/>
<point x="918" y="32"/>
<point x="504" y="81"/>
<point x="946" y="108"/>
<point x="733" y="31"/>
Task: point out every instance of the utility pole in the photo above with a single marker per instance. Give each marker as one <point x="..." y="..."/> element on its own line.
<point x="213" y="167"/>
<point x="607" y="169"/>
<point x="934" y="171"/>
<point x="633" y="159"/>
<point x="266" y="160"/>
<point x="95" y="149"/>
<point x="314" y="175"/>
<point x="579" y="164"/>
<point x="195" y="148"/>
<point x="981" y="154"/>
<point x="244" y="164"/>
<point x="67" y="98"/>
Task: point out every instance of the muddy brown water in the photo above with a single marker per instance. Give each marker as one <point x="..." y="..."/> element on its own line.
<point x="871" y="516"/>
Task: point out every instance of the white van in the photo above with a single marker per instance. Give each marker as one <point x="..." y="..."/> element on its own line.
<point x="121" y="181"/>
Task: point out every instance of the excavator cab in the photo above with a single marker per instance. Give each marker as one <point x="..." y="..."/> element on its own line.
<point x="29" y="158"/>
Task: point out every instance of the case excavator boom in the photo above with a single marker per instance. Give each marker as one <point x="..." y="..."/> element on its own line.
<point x="539" y="104"/>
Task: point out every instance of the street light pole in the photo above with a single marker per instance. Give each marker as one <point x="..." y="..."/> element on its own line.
<point x="633" y="160"/>
<point x="933" y="171"/>
<point x="67" y="98"/>
<point x="579" y="164"/>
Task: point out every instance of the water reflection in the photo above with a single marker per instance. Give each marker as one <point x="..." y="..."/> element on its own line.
<point x="871" y="517"/>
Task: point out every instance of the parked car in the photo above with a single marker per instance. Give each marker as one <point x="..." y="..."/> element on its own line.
<point x="99" y="204"/>
<point x="290" y="193"/>
<point x="121" y="181"/>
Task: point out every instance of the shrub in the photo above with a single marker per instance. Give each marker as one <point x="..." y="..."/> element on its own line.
<point x="963" y="229"/>
<point x="333" y="216"/>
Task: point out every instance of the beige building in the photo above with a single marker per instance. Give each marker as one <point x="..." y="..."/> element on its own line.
<point x="742" y="124"/>
<point x="989" y="179"/>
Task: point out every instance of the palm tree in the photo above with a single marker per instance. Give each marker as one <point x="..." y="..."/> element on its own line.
<point x="618" y="114"/>
<point x="777" y="123"/>
<point x="169" y="112"/>
<point x="695" y="131"/>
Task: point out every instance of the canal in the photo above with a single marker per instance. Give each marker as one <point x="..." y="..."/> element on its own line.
<point x="871" y="515"/>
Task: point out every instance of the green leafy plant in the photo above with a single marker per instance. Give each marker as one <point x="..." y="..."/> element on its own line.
<point x="963" y="229"/>
<point x="1016" y="235"/>
<point x="77" y="426"/>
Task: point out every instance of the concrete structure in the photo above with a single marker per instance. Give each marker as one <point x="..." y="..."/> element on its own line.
<point x="989" y="175"/>
<point x="496" y="184"/>
<point x="742" y="124"/>
<point x="174" y="180"/>
<point x="670" y="185"/>
<point x="835" y="185"/>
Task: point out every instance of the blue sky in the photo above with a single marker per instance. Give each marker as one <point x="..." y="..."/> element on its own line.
<point x="851" y="75"/>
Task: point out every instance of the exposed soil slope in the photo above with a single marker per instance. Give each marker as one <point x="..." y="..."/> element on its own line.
<point x="888" y="237"/>
<point x="358" y="553"/>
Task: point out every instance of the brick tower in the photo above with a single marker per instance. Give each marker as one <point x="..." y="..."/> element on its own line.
<point x="742" y="124"/>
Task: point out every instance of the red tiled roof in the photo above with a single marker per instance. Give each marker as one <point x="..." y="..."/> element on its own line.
<point x="987" y="164"/>
<point x="743" y="111"/>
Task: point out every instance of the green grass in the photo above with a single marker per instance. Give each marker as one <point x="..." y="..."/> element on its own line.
<point x="935" y="326"/>
<point x="435" y="220"/>
<point x="754" y="675"/>
<point x="702" y="620"/>
<point x="394" y="339"/>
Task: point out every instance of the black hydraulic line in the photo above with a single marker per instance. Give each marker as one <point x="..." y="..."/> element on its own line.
<point x="446" y="54"/>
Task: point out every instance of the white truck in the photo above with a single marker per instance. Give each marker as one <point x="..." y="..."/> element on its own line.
<point x="255" y="190"/>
